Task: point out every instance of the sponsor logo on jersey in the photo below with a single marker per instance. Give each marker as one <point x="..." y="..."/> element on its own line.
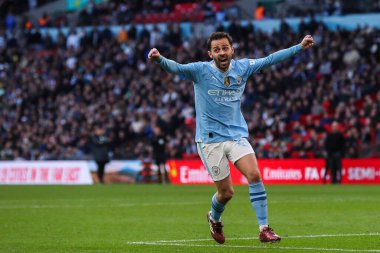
<point x="225" y="95"/>
<point x="224" y="92"/>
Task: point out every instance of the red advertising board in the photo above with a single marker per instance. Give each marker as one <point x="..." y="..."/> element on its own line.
<point x="281" y="171"/>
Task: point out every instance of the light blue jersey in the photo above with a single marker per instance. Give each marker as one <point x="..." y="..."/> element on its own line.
<point x="218" y="94"/>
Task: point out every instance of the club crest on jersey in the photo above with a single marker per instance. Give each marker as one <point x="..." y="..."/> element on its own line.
<point x="215" y="170"/>
<point x="227" y="81"/>
<point x="239" y="79"/>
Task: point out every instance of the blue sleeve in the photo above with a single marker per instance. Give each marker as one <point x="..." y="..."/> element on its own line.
<point x="190" y="70"/>
<point x="255" y="65"/>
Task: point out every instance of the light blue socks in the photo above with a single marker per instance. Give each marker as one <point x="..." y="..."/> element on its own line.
<point x="217" y="208"/>
<point x="258" y="198"/>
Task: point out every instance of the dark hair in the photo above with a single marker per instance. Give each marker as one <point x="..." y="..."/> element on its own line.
<point x="218" y="36"/>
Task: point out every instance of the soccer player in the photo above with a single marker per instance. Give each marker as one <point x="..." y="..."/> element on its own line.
<point x="221" y="131"/>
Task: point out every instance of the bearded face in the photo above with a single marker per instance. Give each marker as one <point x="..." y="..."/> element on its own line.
<point x="221" y="52"/>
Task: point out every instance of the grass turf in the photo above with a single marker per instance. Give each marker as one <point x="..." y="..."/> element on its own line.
<point x="156" y="218"/>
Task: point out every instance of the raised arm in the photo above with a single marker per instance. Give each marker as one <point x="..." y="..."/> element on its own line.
<point x="279" y="56"/>
<point x="187" y="70"/>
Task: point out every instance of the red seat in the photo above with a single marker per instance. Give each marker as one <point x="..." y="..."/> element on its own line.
<point x="187" y="156"/>
<point x="295" y="154"/>
<point x="138" y="18"/>
<point x="296" y="136"/>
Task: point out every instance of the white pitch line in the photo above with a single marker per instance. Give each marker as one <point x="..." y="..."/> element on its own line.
<point x="263" y="247"/>
<point x="255" y="238"/>
<point x="41" y="206"/>
<point x="181" y="243"/>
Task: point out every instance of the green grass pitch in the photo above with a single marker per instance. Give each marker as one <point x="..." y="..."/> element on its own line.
<point x="168" y="218"/>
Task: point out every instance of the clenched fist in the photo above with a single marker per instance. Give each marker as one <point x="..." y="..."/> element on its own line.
<point x="307" y="42"/>
<point x="154" y="54"/>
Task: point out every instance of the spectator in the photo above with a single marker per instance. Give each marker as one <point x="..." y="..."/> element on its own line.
<point x="207" y="8"/>
<point x="335" y="148"/>
<point x="122" y="36"/>
<point x="332" y="8"/>
<point x="155" y="36"/>
<point x="352" y="143"/>
<point x="220" y="14"/>
<point x="10" y="21"/>
<point x="73" y="40"/>
<point x="100" y="151"/>
<point x="159" y="144"/>
<point x="44" y="20"/>
<point x="259" y="12"/>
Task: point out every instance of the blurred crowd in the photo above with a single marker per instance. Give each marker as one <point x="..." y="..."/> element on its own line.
<point x="116" y="12"/>
<point x="54" y="93"/>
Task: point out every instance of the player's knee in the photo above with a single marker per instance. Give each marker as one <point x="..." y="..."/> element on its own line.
<point x="227" y="194"/>
<point x="253" y="176"/>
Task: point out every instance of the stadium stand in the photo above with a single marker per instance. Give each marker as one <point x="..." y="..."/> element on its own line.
<point x="114" y="12"/>
<point x="54" y="91"/>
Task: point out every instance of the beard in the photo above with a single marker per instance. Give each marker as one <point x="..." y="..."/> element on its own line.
<point x="222" y="63"/>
